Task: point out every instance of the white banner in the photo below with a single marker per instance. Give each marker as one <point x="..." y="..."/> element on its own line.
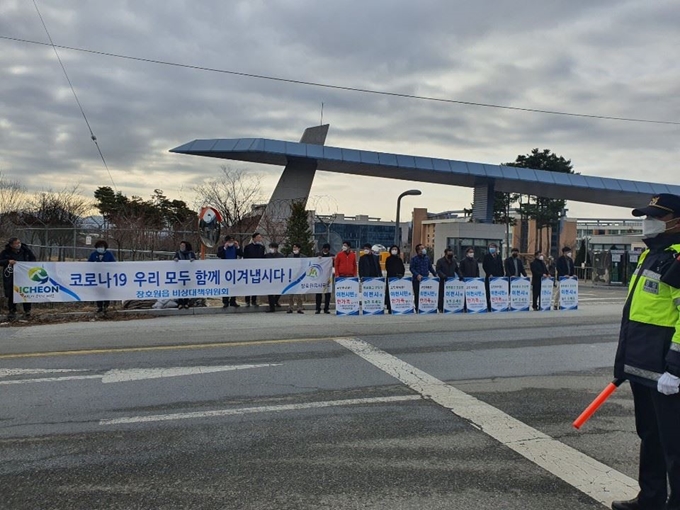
<point x="520" y="294"/>
<point x="568" y="293"/>
<point x="547" y="285"/>
<point x="475" y="295"/>
<point x="454" y="296"/>
<point x="499" y="293"/>
<point x="40" y="282"/>
<point x="428" y="296"/>
<point x="373" y="296"/>
<point x="347" y="296"/>
<point x="401" y="296"/>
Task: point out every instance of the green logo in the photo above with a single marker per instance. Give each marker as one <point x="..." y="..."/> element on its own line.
<point x="38" y="275"/>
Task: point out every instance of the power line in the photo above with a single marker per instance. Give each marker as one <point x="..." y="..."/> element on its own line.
<point x="63" y="68"/>
<point x="345" y="88"/>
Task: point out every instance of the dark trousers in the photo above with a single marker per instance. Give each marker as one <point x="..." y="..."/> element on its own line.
<point x="536" y="294"/>
<point x="105" y="304"/>
<point x="657" y="418"/>
<point x="273" y="301"/>
<point x="251" y="300"/>
<point x="11" y="305"/>
<point x="326" y="299"/>
<point x="416" y="291"/>
<point x="229" y="301"/>
<point x="440" y="304"/>
<point x="487" y="283"/>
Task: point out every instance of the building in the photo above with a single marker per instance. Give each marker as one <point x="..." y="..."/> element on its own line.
<point x="359" y="230"/>
<point x="607" y="234"/>
<point x="528" y="239"/>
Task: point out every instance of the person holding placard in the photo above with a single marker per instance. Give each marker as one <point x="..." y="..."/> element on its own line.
<point x="447" y="267"/>
<point x="394" y="267"/>
<point x="326" y="296"/>
<point x="469" y="267"/>
<point x="563" y="267"/>
<point x="493" y="267"/>
<point x="421" y="267"/>
<point x="538" y="271"/>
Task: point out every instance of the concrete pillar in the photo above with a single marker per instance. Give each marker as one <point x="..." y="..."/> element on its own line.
<point x="482" y="206"/>
<point x="294" y="184"/>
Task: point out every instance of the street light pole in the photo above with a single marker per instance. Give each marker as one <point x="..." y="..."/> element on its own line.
<point x="397" y="231"/>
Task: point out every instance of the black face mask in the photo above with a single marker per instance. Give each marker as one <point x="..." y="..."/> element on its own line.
<point x="515" y="255"/>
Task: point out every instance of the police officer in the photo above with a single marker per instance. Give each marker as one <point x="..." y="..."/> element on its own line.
<point x="649" y="356"/>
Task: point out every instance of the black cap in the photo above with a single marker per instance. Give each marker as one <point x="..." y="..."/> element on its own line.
<point x="326" y="246"/>
<point x="273" y="245"/>
<point x="660" y="205"/>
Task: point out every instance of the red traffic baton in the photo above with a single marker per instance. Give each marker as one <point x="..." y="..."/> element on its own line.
<point x="595" y="404"/>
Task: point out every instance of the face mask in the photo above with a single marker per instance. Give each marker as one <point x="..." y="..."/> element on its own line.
<point x="183" y="250"/>
<point x="515" y="255"/>
<point x="541" y="257"/>
<point x="296" y="252"/>
<point x="345" y="248"/>
<point x="449" y="256"/>
<point x="272" y="250"/>
<point x="470" y="255"/>
<point x="423" y="251"/>
<point x="651" y="227"/>
<point x="229" y="245"/>
<point x="101" y="250"/>
<point x="366" y="252"/>
<point x="492" y="251"/>
<point x="16" y="247"/>
<point x="568" y="254"/>
<point x="394" y="252"/>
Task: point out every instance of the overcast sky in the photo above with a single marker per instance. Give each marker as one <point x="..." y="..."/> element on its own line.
<point x="612" y="58"/>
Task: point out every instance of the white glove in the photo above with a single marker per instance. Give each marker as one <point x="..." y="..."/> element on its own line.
<point x="668" y="384"/>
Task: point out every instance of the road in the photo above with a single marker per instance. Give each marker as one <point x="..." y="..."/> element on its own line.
<point x="260" y="411"/>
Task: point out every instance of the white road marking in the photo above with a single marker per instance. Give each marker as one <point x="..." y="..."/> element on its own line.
<point x="6" y="372"/>
<point x="134" y="374"/>
<point x="264" y="409"/>
<point x="116" y="376"/>
<point x="50" y="379"/>
<point x="600" y="482"/>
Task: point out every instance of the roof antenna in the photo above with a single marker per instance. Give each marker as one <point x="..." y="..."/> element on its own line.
<point x="321" y="124"/>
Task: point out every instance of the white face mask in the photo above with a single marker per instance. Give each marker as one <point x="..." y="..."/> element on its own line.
<point x="423" y="251"/>
<point x="101" y="250"/>
<point x="296" y="252"/>
<point x="568" y="254"/>
<point x="345" y="248"/>
<point x="394" y="252"/>
<point x="366" y="252"/>
<point x="470" y="255"/>
<point x="541" y="257"/>
<point x="272" y="250"/>
<point x="651" y="227"/>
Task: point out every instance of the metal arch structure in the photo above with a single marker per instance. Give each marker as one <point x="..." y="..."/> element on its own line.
<point x="484" y="178"/>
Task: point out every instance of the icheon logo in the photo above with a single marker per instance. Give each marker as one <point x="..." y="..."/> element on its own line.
<point x="314" y="271"/>
<point x="38" y="275"/>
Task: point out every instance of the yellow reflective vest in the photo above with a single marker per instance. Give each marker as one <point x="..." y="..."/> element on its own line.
<point x="649" y="341"/>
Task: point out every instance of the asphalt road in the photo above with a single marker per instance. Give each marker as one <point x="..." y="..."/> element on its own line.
<point x="260" y="411"/>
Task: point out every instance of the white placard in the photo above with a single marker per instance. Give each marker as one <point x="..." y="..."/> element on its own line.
<point x="347" y="296"/>
<point x="401" y="296"/>
<point x="428" y="296"/>
<point x="520" y="294"/>
<point x="568" y="293"/>
<point x="40" y="282"/>
<point x="475" y="295"/>
<point x="499" y="293"/>
<point x="454" y="296"/>
<point x="547" y="286"/>
<point x="373" y="296"/>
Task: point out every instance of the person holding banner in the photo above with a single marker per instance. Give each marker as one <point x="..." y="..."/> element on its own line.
<point x="230" y="250"/>
<point x="254" y="250"/>
<point x="273" y="253"/>
<point x="296" y="301"/>
<point x="394" y="267"/>
<point x="101" y="253"/>
<point x="185" y="252"/>
<point x="14" y="252"/>
<point x="326" y="296"/>
<point x="538" y="271"/>
<point x="563" y="267"/>
<point x="648" y="356"/>
<point x="421" y="267"/>
<point x="447" y="267"/>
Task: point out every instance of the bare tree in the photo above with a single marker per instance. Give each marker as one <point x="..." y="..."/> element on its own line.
<point x="235" y="193"/>
<point x="12" y="196"/>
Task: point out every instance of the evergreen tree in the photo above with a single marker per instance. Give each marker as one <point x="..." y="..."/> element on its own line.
<point x="298" y="230"/>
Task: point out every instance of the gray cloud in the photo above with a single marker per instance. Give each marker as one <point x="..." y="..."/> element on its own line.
<point x="606" y="57"/>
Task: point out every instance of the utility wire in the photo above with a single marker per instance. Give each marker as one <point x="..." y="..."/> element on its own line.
<point x="54" y="47"/>
<point x="344" y="88"/>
